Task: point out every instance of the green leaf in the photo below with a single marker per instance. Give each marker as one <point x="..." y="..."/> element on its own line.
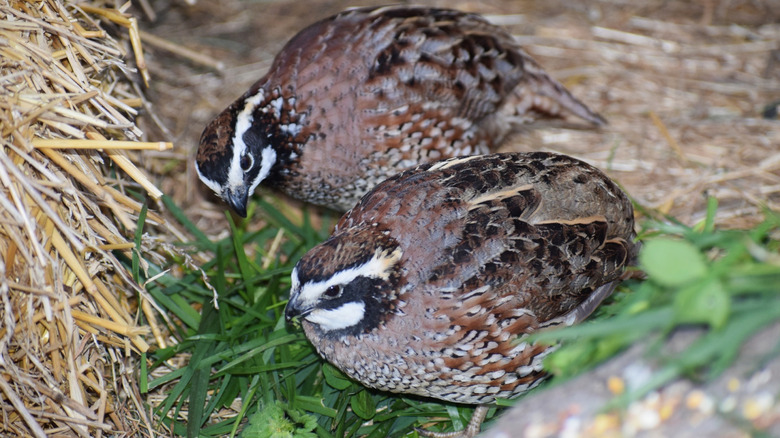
<point x="646" y="321"/>
<point x="754" y="278"/>
<point x="559" y="362"/>
<point x="363" y="405"/>
<point x="709" y="220"/>
<point x="274" y="421"/>
<point x="314" y="404"/>
<point x="196" y="415"/>
<point x="244" y="266"/>
<point x="139" y="232"/>
<point x="335" y="378"/>
<point x="672" y="262"/>
<point x="305" y="423"/>
<point x="143" y="376"/>
<point x="703" y="303"/>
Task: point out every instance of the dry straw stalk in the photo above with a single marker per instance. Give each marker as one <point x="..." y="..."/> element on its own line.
<point x="69" y="331"/>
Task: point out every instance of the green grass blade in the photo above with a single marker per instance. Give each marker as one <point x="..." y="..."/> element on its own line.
<point x="209" y="323"/>
<point x="200" y="237"/>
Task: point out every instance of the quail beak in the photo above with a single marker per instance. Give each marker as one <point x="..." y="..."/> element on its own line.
<point x="292" y="311"/>
<point x="237" y="199"/>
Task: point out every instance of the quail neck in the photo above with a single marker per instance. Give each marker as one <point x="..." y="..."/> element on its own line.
<point x="365" y="94"/>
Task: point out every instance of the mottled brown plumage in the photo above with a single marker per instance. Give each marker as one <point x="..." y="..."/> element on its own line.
<point x="429" y="285"/>
<point x="362" y="95"/>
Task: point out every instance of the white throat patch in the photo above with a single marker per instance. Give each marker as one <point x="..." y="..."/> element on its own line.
<point x="269" y="158"/>
<point x="339" y="318"/>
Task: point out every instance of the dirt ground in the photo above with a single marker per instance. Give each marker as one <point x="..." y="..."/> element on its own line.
<point x="683" y="84"/>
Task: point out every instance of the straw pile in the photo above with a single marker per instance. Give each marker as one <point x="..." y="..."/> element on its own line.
<point x="69" y="205"/>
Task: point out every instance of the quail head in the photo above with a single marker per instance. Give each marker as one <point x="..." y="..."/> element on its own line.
<point x="362" y="95"/>
<point x="431" y="283"/>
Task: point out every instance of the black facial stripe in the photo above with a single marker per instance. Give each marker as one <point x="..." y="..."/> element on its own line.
<point x="254" y="140"/>
<point x="215" y="170"/>
<point x="356" y="290"/>
<point x="373" y="293"/>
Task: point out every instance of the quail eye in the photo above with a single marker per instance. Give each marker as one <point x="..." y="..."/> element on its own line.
<point x="246" y="162"/>
<point x="333" y="291"/>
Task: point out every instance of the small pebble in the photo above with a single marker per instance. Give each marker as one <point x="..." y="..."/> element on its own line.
<point x="694" y="399"/>
<point x="539" y="430"/>
<point x="649" y="419"/>
<point x="728" y="404"/>
<point x="757" y="405"/>
<point x="697" y="400"/>
<point x="616" y="385"/>
<point x="733" y="384"/>
<point x="571" y="427"/>
<point x="667" y="409"/>
<point x="758" y="380"/>
<point x="604" y="423"/>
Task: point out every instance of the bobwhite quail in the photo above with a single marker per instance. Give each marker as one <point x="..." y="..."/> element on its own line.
<point x="430" y="284"/>
<point x="362" y="95"/>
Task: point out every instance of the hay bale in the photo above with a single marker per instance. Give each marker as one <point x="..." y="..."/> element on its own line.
<point x="69" y="207"/>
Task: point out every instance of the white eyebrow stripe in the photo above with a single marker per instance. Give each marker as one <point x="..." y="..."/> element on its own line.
<point x="378" y="266"/>
<point x="243" y="124"/>
<point x="295" y="283"/>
